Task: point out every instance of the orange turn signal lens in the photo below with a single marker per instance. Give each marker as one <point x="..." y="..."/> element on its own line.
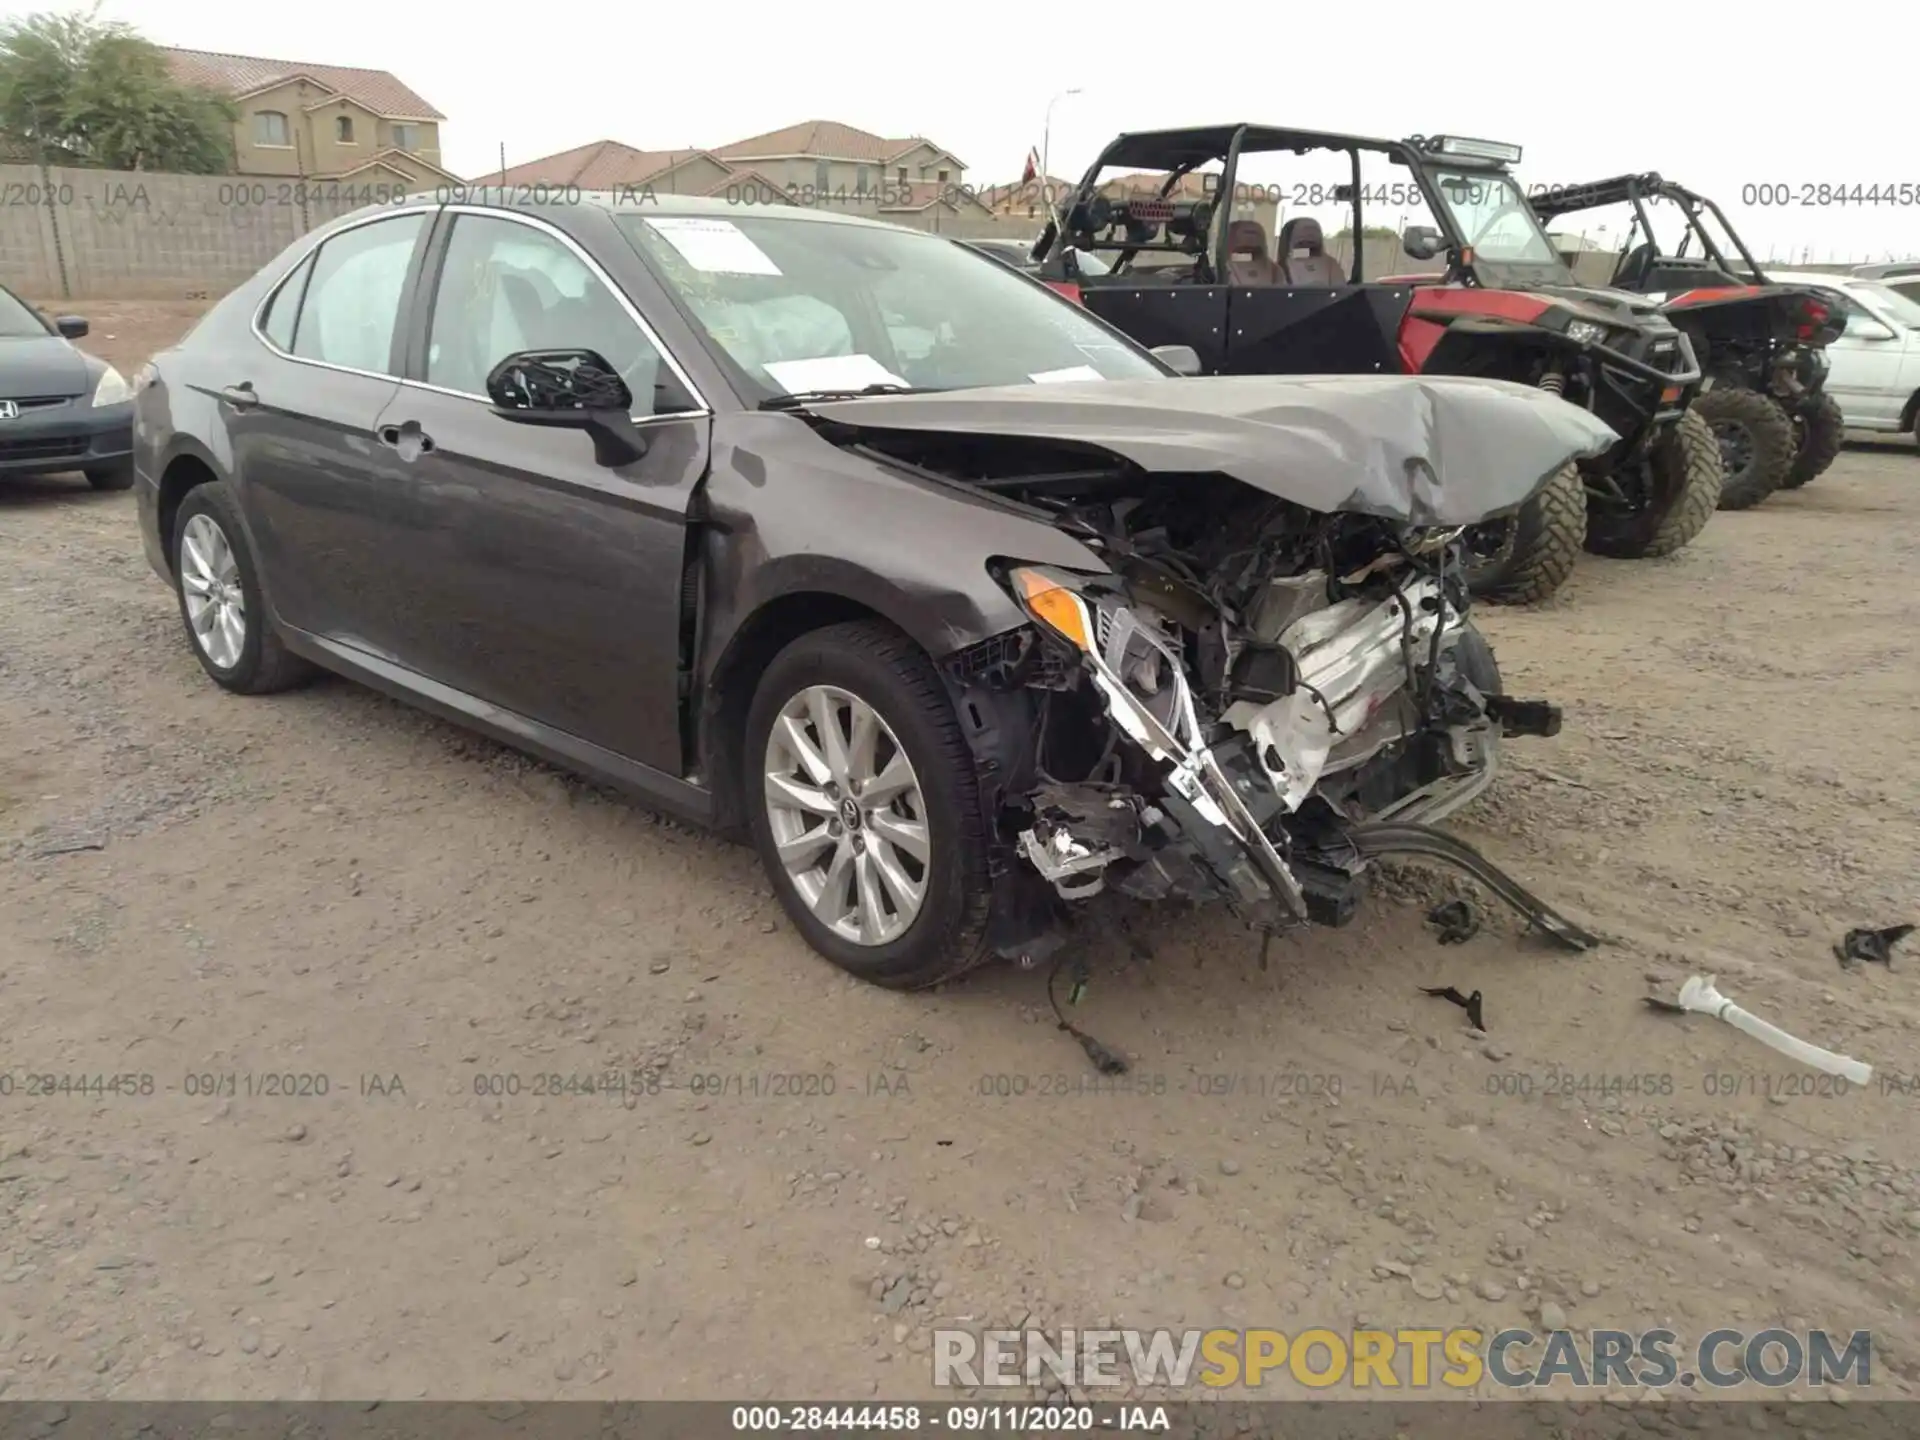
<point x="1056" y="606"/>
<point x="1670" y="394"/>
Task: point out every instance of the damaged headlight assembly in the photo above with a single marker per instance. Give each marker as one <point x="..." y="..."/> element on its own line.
<point x="1142" y="682"/>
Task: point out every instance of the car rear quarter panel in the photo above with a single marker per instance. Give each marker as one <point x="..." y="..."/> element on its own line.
<point x="177" y="413"/>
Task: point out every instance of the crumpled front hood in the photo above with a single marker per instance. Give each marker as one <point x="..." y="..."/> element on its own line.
<point x="1421" y="450"/>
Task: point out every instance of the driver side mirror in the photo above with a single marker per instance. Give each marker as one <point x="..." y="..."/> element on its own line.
<point x="569" y="389"/>
<point x="1422" y="242"/>
<point x="1866" y="329"/>
<point x="1181" y="359"/>
<point x="72" y="327"/>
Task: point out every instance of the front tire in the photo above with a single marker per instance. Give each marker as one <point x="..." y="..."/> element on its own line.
<point x="1821" y="430"/>
<point x="1525" y="557"/>
<point x="865" y="809"/>
<point x="1756" y="442"/>
<point x="1683" y="488"/>
<point x="221" y="602"/>
<point x="111" y="477"/>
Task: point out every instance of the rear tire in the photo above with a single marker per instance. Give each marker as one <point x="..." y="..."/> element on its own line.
<point x="1538" y="545"/>
<point x="257" y="663"/>
<point x="1687" y="482"/>
<point x="1821" y="431"/>
<point x="869" y="663"/>
<point x="1755" y="440"/>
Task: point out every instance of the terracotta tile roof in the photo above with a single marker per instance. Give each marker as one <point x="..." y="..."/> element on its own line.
<point x="386" y="158"/>
<point x="602" y="165"/>
<point x="828" y="139"/>
<point x="379" y="90"/>
<point x="749" y="187"/>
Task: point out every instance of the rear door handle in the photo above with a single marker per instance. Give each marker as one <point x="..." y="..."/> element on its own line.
<point x="240" y="396"/>
<point x="409" y="439"/>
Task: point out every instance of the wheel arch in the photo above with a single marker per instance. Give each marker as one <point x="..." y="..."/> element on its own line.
<point x="189" y="466"/>
<point x="732" y="682"/>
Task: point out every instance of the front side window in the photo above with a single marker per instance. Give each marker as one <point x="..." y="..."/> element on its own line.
<point x="352" y="300"/>
<point x="270" y="128"/>
<point x="507" y="287"/>
<point x="801" y="304"/>
<point x="1892" y="302"/>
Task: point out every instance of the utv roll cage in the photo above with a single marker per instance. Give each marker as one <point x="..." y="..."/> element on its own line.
<point x="1636" y="191"/>
<point x="1190" y="224"/>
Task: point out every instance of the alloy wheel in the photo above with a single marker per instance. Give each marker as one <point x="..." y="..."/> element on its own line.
<point x="210" y="581"/>
<point x="847" y="815"/>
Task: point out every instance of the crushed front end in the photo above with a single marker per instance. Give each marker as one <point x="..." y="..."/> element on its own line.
<point x="1251" y="696"/>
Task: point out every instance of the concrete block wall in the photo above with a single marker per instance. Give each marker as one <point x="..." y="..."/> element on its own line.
<point x="116" y="234"/>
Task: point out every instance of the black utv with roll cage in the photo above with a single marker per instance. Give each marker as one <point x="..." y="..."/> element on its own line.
<point x="1186" y="271"/>
<point x="1762" y="345"/>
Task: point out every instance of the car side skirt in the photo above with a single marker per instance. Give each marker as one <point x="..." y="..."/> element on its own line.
<point x="668" y="792"/>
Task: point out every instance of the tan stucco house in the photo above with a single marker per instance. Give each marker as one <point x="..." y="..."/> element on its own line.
<point x="609" y="165"/>
<point x="323" y="122"/>
<point x="816" y="163"/>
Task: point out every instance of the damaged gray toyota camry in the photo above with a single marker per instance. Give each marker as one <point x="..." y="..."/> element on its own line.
<point x="959" y="603"/>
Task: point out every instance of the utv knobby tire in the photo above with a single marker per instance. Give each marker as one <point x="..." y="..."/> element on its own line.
<point x="1685" y="488"/>
<point x="871" y="659"/>
<point x="1548" y="532"/>
<point x="1768" y="440"/>
<point x="1821" y="431"/>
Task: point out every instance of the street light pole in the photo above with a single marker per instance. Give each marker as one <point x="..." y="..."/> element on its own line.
<point x="1046" y="152"/>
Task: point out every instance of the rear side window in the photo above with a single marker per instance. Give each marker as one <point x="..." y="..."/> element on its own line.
<point x="352" y="301"/>
<point x="284" y="308"/>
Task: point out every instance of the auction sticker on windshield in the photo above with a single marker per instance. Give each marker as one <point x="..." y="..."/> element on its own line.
<point x="716" y="246"/>
<point x="1066" y="376"/>
<point x="831" y="372"/>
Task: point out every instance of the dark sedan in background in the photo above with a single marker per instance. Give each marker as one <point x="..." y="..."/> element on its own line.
<point x="60" y="408"/>
<point x="854" y="540"/>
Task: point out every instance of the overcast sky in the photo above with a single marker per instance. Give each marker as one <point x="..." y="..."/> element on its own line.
<point x="1588" y="90"/>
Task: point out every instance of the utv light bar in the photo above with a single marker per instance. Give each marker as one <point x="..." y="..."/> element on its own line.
<point x="1477" y="149"/>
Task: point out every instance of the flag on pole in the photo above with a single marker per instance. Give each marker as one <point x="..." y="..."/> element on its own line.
<point x="1032" y="171"/>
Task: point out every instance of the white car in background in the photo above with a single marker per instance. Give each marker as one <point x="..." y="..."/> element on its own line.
<point x="1875" y="375"/>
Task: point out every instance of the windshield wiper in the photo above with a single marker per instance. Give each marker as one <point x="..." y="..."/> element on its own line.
<point x="802" y="398"/>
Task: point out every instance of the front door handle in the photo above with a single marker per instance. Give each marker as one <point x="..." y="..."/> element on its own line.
<point x="240" y="396"/>
<point x="409" y="439"/>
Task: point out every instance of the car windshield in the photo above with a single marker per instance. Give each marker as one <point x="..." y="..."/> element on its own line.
<point x="801" y="304"/>
<point x="17" y="320"/>
<point x="1892" y="302"/>
<point x="1494" y="218"/>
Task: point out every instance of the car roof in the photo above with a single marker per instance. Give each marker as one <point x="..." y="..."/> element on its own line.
<point x="1824" y="277"/>
<point x="547" y="201"/>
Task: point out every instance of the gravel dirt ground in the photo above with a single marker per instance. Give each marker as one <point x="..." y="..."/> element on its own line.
<point x="325" y="891"/>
